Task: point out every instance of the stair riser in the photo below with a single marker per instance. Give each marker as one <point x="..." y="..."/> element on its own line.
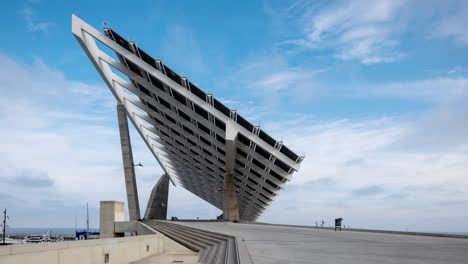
<point x="190" y="244"/>
<point x="210" y="237"/>
<point x="215" y="248"/>
<point x="207" y="242"/>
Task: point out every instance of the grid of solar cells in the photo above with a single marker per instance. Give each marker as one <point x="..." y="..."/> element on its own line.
<point x="198" y="149"/>
<point x="193" y="138"/>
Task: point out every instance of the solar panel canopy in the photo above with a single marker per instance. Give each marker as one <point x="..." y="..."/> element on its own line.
<point x="195" y="137"/>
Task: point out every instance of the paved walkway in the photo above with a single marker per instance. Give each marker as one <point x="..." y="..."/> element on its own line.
<point x="169" y="259"/>
<point x="280" y="244"/>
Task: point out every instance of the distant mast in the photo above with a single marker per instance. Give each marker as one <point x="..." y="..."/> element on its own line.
<point x="87" y="217"/>
<point x="75" y="221"/>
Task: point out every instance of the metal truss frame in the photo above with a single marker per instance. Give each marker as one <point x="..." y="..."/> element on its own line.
<point x="194" y="139"/>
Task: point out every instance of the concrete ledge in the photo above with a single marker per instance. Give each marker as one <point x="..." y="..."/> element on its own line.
<point x="30" y="248"/>
<point x="133" y="227"/>
<point x="363" y="230"/>
<point x="117" y="250"/>
<point x="125" y="226"/>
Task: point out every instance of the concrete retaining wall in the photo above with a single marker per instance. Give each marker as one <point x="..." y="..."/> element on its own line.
<point x="118" y="250"/>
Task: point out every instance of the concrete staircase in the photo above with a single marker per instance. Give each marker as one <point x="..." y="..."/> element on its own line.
<point x="211" y="247"/>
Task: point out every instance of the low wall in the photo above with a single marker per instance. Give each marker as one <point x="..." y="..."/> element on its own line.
<point x="23" y="235"/>
<point x="133" y="227"/>
<point x="365" y="230"/>
<point x="112" y="250"/>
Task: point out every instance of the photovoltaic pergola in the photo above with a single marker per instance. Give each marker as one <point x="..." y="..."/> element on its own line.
<point x="196" y="139"/>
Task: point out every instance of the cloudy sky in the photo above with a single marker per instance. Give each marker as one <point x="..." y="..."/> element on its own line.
<point x="373" y="93"/>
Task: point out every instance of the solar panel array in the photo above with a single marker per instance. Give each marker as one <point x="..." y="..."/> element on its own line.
<point x="193" y="136"/>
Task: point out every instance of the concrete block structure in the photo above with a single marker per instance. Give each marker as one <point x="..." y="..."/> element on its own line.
<point x="110" y="212"/>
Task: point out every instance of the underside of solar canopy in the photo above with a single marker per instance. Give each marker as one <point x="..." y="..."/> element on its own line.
<point x="193" y="136"/>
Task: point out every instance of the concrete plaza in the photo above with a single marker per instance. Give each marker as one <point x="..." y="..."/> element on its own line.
<point x="284" y="244"/>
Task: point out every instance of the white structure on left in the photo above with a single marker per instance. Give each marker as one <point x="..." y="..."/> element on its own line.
<point x="110" y="212"/>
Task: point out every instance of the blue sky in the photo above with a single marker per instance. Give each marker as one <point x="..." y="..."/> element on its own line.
<point x="373" y="93"/>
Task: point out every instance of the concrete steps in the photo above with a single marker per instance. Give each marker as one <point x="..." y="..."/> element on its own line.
<point x="212" y="247"/>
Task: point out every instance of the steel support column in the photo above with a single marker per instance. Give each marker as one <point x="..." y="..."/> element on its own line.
<point x="129" y="170"/>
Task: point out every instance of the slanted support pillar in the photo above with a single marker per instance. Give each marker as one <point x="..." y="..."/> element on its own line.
<point x="129" y="170"/>
<point x="157" y="203"/>
<point x="230" y="204"/>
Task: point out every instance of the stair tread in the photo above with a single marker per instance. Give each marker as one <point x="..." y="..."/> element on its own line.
<point x="214" y="247"/>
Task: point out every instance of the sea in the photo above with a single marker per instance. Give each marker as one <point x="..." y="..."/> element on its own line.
<point x="51" y="230"/>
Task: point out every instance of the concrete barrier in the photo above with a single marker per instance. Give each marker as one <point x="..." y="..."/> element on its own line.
<point x="109" y="250"/>
<point x="363" y="230"/>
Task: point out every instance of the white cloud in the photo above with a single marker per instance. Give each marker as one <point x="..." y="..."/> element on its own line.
<point x="370" y="32"/>
<point x="282" y="80"/>
<point x="67" y="130"/>
<point x="181" y="47"/>
<point x="66" y="133"/>
<point x="409" y="166"/>
<point x="454" y="25"/>
<point x="355" y="29"/>
<point x="272" y="83"/>
<point x="32" y="23"/>
<point x="48" y="126"/>
<point x="360" y="170"/>
<point x="396" y="167"/>
<point x="268" y="80"/>
<point x="439" y="89"/>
